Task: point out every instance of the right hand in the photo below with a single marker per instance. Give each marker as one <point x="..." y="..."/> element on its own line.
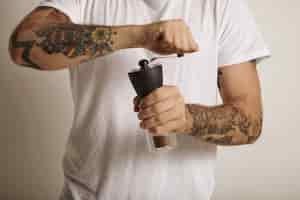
<point x="169" y="37"/>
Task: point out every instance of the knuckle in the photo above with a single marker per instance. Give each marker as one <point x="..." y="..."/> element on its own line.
<point x="151" y="121"/>
<point x="167" y="36"/>
<point x="159" y="130"/>
<point x="178" y="45"/>
<point x="186" y="48"/>
<point x="146" y="111"/>
<point x="168" y="40"/>
<point x="159" y="119"/>
<point x="154" y="130"/>
<point x="145" y="124"/>
<point x="145" y="101"/>
<point x="154" y="109"/>
<point x="140" y="116"/>
<point x="155" y="94"/>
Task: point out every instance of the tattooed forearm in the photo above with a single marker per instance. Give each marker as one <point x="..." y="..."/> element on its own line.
<point x="75" y="40"/>
<point x="68" y="39"/>
<point x="48" y="39"/>
<point x="225" y="124"/>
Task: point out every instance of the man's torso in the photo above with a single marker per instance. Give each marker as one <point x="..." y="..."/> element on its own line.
<point x="106" y="150"/>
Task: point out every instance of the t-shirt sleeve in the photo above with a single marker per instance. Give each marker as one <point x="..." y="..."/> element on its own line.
<point x="239" y="39"/>
<point x="71" y="8"/>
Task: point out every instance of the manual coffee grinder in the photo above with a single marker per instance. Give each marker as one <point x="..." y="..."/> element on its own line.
<point x="146" y="79"/>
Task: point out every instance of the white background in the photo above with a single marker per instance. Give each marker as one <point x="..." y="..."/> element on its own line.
<point x="36" y="114"/>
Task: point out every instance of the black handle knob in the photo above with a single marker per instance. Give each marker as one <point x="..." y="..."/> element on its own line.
<point x="144" y="64"/>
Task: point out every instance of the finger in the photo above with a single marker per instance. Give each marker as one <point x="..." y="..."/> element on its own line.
<point x="157" y="108"/>
<point x="182" y="40"/>
<point x="136" y="102"/>
<point x="166" y="47"/>
<point x="165" y="50"/>
<point x="181" y="129"/>
<point x="158" y="95"/>
<point x="167" y="128"/>
<point x="189" y="48"/>
<point x="136" y="99"/>
<point x="193" y="44"/>
<point x="162" y="118"/>
<point x="186" y="44"/>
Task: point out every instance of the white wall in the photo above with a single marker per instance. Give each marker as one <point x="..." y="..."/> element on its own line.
<point x="271" y="168"/>
<point x="35" y="117"/>
<point x="36" y="114"/>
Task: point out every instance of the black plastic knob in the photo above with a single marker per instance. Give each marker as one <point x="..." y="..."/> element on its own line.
<point x="144" y="64"/>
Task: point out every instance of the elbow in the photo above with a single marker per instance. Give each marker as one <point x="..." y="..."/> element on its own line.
<point x="25" y="56"/>
<point x="254" y="138"/>
<point x="14" y="52"/>
<point x="255" y="130"/>
<point x="251" y="123"/>
<point x="17" y="57"/>
<point x="249" y="132"/>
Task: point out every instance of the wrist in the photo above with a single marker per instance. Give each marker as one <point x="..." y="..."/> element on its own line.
<point x="189" y="126"/>
<point x="135" y="36"/>
<point x="139" y="35"/>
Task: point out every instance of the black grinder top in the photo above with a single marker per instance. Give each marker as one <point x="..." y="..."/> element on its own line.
<point x="146" y="79"/>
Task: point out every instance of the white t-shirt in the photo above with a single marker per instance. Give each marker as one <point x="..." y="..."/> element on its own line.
<point x="107" y="156"/>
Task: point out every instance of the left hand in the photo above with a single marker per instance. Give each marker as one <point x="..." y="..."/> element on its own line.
<point x="163" y="111"/>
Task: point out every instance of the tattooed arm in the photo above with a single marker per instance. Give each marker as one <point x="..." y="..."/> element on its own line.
<point x="46" y="39"/>
<point x="239" y="120"/>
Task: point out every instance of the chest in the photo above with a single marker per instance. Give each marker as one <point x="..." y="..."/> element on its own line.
<point x="193" y="73"/>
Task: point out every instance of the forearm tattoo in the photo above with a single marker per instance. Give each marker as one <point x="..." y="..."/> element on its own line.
<point x="75" y="40"/>
<point x="225" y="124"/>
<point x="65" y="38"/>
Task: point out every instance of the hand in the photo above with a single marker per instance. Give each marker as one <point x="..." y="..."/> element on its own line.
<point x="168" y="37"/>
<point x="163" y="111"/>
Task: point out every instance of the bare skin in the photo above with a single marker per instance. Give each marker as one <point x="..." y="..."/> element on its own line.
<point x="47" y="40"/>
<point x="237" y="121"/>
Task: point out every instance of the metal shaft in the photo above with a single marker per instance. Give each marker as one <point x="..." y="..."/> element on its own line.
<point x="163" y="57"/>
